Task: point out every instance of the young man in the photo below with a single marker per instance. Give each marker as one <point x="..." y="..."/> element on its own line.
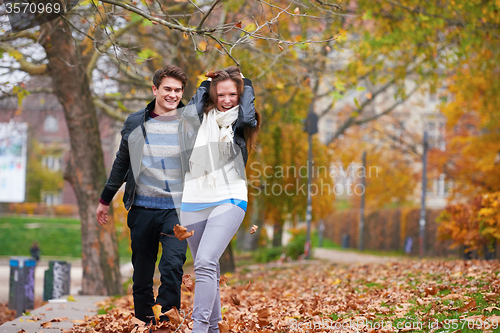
<point x="149" y="161"/>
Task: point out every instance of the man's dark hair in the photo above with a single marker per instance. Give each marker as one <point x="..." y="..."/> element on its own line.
<point x="172" y="71"/>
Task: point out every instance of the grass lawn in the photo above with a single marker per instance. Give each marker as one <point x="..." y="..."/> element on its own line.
<point x="57" y="237"/>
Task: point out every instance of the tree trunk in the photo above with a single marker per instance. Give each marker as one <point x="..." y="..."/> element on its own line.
<point x="278" y="234"/>
<point x="226" y="261"/>
<point x="85" y="170"/>
<point x="258" y="220"/>
<point x="247" y="241"/>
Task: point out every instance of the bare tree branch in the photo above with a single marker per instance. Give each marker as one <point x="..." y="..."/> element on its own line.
<point x="388" y="110"/>
<point x="31" y="91"/>
<point x="156" y="19"/>
<point x="109" y="110"/>
<point x="25" y="65"/>
<point x="329" y="4"/>
<point x="221" y="43"/>
<point x="21" y="34"/>
<point x="205" y="16"/>
<point x="95" y="56"/>
<point x="137" y="79"/>
<point x="122" y="98"/>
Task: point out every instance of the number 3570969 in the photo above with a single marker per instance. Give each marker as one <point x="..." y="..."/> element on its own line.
<point x="477" y="324"/>
<point x="32" y="7"/>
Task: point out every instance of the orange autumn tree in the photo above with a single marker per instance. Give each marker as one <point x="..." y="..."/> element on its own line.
<point x="474" y="224"/>
<point x="472" y="156"/>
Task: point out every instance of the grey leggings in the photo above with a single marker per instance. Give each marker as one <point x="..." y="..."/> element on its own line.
<point x="213" y="229"/>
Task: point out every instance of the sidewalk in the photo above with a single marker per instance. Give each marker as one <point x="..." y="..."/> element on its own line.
<point x="349" y="257"/>
<point x="55" y="316"/>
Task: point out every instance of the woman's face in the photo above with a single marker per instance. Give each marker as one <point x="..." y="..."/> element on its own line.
<point x="227" y="95"/>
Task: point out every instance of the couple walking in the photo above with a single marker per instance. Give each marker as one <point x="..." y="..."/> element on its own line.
<point x="188" y="162"/>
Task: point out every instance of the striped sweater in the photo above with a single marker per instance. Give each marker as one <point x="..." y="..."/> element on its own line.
<point x="160" y="182"/>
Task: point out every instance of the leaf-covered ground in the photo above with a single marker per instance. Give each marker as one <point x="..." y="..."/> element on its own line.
<point x="407" y="296"/>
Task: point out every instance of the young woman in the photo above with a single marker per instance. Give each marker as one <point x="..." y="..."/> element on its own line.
<point x="215" y="194"/>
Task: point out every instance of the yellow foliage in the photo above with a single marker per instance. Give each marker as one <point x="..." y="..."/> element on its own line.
<point x="473" y="224"/>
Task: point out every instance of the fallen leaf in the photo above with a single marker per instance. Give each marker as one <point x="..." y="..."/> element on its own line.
<point x="223" y="327"/>
<point x="253" y="229"/>
<point x="235" y="299"/>
<point x="491" y="308"/>
<point x="186" y="279"/>
<point x="181" y="232"/>
<point x="238" y="25"/>
<point x="157" y="311"/>
<point x="468" y="306"/>
<point x="47" y="324"/>
<point x="56" y="320"/>
<point x="490" y="296"/>
<point x="452" y="297"/>
<point x="431" y="290"/>
<point x="263" y="317"/>
<point x="223" y="280"/>
<point x="174" y="316"/>
<point x="248" y="285"/>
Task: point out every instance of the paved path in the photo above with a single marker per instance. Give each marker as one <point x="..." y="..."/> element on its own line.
<point x="349" y="257"/>
<point x="68" y="313"/>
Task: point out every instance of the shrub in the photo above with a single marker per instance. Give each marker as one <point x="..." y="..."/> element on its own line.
<point x="268" y="254"/>
<point x="295" y="247"/>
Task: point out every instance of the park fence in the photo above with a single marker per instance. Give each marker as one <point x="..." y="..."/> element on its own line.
<point x="388" y="230"/>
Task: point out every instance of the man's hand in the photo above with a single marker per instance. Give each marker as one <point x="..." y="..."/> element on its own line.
<point x="102" y="214"/>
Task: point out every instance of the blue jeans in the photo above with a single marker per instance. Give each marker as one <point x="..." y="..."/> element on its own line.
<point x="214" y="228"/>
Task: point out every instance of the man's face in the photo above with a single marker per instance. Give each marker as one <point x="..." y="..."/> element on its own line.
<point x="168" y="95"/>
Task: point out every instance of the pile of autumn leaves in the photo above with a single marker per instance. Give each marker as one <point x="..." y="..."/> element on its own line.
<point x="301" y="296"/>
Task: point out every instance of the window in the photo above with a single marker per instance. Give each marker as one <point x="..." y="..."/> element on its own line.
<point x="52" y="198"/>
<point x="52" y="162"/>
<point x="51" y="124"/>
<point x="328" y="130"/>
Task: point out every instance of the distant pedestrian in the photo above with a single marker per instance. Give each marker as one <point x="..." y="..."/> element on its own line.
<point x="35" y="251"/>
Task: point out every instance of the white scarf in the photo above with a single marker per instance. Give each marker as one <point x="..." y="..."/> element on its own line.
<point x="213" y="145"/>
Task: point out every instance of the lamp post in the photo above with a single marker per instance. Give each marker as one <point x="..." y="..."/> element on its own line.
<point x="311" y="127"/>
<point x="421" y="236"/>
<point x="362" y="206"/>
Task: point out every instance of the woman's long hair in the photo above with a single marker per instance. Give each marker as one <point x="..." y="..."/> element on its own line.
<point x="232" y="73"/>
